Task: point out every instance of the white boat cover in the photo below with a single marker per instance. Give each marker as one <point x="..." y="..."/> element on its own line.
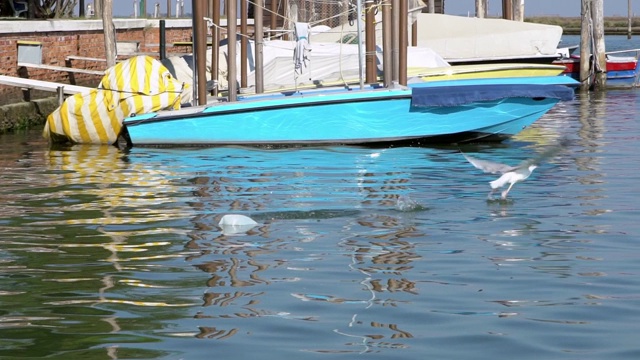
<point x="138" y="85"/>
<point x="329" y="64"/>
<point x="458" y="38"/>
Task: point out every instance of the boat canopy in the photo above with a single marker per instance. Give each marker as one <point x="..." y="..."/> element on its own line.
<point x="462" y="95"/>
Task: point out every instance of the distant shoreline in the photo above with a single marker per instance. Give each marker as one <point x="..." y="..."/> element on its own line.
<point x="571" y="25"/>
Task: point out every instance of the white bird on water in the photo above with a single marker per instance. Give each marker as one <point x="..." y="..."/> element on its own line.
<point x="510" y="174"/>
<point x="514" y="174"/>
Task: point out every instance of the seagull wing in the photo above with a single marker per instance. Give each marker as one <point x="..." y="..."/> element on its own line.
<point x="489" y="166"/>
<point x="549" y="152"/>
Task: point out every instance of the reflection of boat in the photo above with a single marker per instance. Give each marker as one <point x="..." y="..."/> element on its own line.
<point x="622" y="71"/>
<point x="431" y="112"/>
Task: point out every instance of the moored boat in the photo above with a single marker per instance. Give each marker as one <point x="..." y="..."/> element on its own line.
<point x="479" y="111"/>
<point x="489" y="108"/>
<point x="622" y="71"/>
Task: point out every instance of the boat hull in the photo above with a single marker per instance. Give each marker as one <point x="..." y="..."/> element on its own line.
<point x="623" y="72"/>
<point x="480" y="71"/>
<point x="353" y="117"/>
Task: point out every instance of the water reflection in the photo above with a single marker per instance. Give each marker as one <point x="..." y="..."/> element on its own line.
<point x="292" y="244"/>
<point x="392" y="252"/>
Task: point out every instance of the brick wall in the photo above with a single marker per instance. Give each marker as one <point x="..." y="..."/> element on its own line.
<point x="62" y="38"/>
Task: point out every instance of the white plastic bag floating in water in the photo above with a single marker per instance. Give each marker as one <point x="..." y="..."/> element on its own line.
<point x="236" y="224"/>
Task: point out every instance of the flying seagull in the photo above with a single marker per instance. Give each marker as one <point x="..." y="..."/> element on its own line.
<point x="510" y="174"/>
<point x="513" y="174"/>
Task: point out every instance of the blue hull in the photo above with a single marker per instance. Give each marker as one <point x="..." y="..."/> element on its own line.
<point x="342" y="117"/>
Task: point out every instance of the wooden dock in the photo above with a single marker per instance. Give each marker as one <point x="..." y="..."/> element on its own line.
<point x="60" y="89"/>
<point x="67" y="89"/>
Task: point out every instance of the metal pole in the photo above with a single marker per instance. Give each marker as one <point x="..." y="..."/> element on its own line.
<point x="168" y="9"/>
<point x="163" y="40"/>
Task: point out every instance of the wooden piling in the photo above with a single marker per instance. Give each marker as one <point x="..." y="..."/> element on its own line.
<point x="585" y="45"/>
<point x="599" y="51"/>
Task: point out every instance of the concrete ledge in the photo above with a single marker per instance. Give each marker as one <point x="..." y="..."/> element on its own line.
<point x="26" y="115"/>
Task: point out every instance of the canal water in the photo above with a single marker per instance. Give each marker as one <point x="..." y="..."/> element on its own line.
<point x="372" y="253"/>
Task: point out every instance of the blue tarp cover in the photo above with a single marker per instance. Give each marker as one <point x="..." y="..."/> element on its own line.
<point x="461" y="95"/>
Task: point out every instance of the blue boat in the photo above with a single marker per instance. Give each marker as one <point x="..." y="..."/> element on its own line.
<point x="485" y="109"/>
<point x="424" y="113"/>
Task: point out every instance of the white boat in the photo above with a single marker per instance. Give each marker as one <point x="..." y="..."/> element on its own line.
<point x="467" y="40"/>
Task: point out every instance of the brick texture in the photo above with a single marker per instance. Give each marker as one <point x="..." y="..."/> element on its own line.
<point x="56" y="46"/>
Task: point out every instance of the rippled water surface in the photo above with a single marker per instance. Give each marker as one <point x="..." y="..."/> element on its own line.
<point x="388" y="253"/>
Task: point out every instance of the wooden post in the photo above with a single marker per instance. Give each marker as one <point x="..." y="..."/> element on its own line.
<point x="358" y="20"/>
<point x="585" y="45"/>
<point x="60" y="94"/>
<point x="259" y="45"/>
<point x="518" y="10"/>
<point x="109" y="32"/>
<point x="232" y="73"/>
<point x="599" y="51"/>
<point x="215" y="40"/>
<point x="200" y="52"/>
<point x="370" y="42"/>
<point x="395" y="38"/>
<point x="403" y="32"/>
<point x="507" y="9"/>
<point x="273" y="21"/>
<point x="243" y="44"/>
<point x="480" y="8"/>
<point x="97" y="7"/>
<point x="168" y="9"/>
<point x="629" y="16"/>
<point x="387" y="62"/>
